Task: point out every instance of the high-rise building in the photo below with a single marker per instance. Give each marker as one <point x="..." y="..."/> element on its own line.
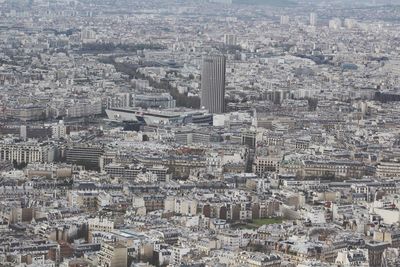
<point x="313" y="19"/>
<point x="285" y="20"/>
<point x="213" y="83"/>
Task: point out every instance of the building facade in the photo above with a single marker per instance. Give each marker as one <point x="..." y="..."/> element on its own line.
<point x="213" y="83"/>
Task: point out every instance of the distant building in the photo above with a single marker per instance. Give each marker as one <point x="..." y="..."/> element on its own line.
<point x="88" y="156"/>
<point x="84" y="200"/>
<point x="375" y="252"/>
<point x="26" y="113"/>
<point x="28" y="152"/>
<point x="388" y="169"/>
<point x="122" y="171"/>
<point x="213" y="83"/>
<point x="84" y="109"/>
<point x="153" y="101"/>
<point x="122" y="100"/>
<point x="391" y="237"/>
<point x="59" y="130"/>
<point x="156" y="116"/>
<point x="160" y="171"/>
<point x="263" y="164"/>
<point x="177" y="255"/>
<point x="313" y="19"/>
<point x="249" y="139"/>
<point x="335" y="24"/>
<point x="227" y="2"/>
<point x="353" y="258"/>
<point x="230" y="39"/>
<point x="257" y="259"/>
<point x="285" y="20"/>
<point x="23" y="132"/>
<point x="88" y="36"/>
<point x="350" y="23"/>
<point x="113" y="255"/>
<point x="99" y="224"/>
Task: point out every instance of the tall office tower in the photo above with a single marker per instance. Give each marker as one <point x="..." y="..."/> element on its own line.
<point x="213" y="83"/>
<point x="313" y="19"/>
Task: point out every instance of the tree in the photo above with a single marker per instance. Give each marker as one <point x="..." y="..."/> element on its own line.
<point x="19" y="166"/>
<point x="312" y="104"/>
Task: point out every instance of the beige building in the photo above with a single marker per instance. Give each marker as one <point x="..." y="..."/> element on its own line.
<point x="113" y="255"/>
<point x="391" y="236"/>
<point x="257" y="259"/>
<point x="310" y="168"/>
<point x="353" y="258"/>
<point x="85" y="200"/>
<point x="27" y="152"/>
<point x="180" y="205"/>
<point x="264" y="164"/>
<point x="99" y="225"/>
<point x="388" y="169"/>
<point x="27" y="113"/>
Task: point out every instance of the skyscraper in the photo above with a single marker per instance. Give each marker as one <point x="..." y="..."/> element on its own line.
<point x="313" y="19"/>
<point x="213" y="83"/>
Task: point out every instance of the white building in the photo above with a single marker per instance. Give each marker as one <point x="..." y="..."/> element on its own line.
<point x="285" y="20"/>
<point x="335" y="24"/>
<point x="313" y="19"/>
<point x="357" y="257"/>
<point x="59" y="130"/>
<point x="177" y="254"/>
<point x="28" y="152"/>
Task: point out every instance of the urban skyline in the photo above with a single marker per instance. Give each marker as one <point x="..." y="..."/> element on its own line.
<point x="199" y="133"/>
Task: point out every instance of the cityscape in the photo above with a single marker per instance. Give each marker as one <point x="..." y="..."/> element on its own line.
<point x="199" y="133"/>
